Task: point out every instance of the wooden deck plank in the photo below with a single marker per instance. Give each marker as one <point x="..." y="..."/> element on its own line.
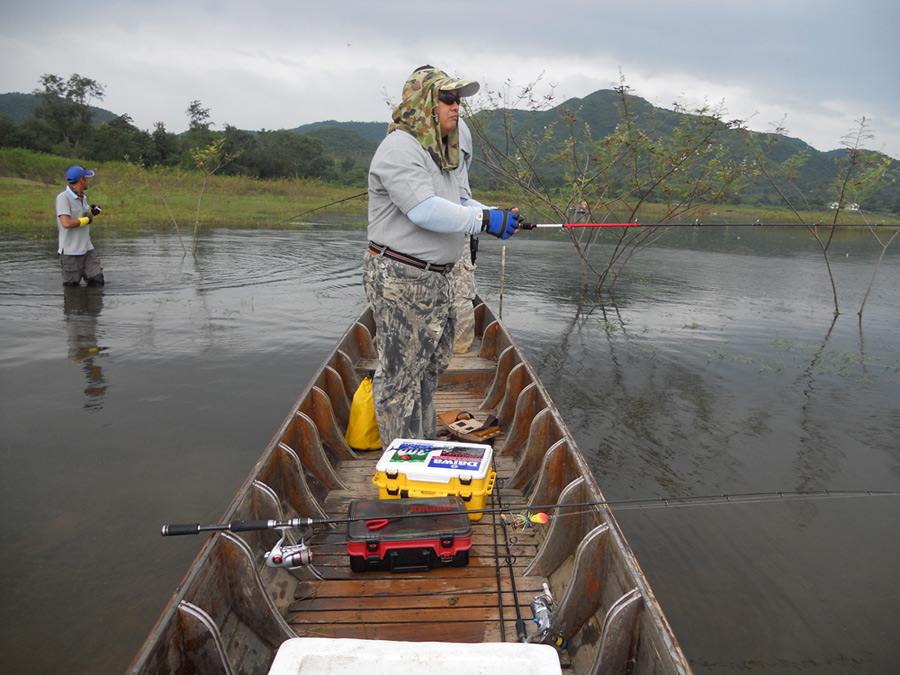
<point x="472" y="632"/>
<point x="400" y="586"/>
<point x="401" y="614"/>
<point x="454" y="598"/>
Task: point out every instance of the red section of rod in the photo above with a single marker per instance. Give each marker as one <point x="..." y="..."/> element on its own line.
<point x="531" y="226"/>
<point x="601" y="224"/>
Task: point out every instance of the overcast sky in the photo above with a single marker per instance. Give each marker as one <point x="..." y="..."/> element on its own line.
<point x="818" y="66"/>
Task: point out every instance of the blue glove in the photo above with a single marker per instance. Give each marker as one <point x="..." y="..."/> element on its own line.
<point x="501" y="223"/>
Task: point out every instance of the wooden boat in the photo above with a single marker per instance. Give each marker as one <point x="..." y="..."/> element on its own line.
<point x="232" y="612"/>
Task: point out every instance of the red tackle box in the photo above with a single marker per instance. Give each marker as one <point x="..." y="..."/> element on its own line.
<point x="408" y="535"/>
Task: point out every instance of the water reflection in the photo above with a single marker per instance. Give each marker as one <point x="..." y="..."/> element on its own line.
<point x="82" y="306"/>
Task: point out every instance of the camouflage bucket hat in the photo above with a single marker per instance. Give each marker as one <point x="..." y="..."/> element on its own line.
<point x="417" y="113"/>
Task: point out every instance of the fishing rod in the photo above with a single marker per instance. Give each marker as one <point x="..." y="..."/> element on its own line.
<point x="521" y="633"/>
<point x="759" y="223"/>
<point x="620" y="504"/>
<point x="325" y="206"/>
<point x="696" y="223"/>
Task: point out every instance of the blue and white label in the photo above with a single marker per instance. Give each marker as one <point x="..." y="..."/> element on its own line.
<point x="454" y="463"/>
<point x="435" y="461"/>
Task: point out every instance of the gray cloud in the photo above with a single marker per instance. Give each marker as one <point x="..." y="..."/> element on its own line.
<point x="275" y="64"/>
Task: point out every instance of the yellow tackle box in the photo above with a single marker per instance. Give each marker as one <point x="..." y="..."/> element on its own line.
<point x="418" y="469"/>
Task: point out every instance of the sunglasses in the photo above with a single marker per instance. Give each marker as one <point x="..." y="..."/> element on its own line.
<point x="448" y="97"/>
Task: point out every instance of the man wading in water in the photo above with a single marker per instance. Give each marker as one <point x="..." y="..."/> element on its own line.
<point x="73" y="218"/>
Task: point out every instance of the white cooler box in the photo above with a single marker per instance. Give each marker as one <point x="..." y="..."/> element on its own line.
<point x="415" y="468"/>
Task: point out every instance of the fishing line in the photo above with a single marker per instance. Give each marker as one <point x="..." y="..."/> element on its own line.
<point x="697" y="223"/>
<point x="325" y="206"/>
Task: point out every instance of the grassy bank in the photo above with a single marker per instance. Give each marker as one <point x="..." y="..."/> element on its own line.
<point x="135" y="199"/>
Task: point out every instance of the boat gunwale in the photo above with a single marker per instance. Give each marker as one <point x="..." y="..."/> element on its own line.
<point x="208" y="547"/>
<point x="615" y="531"/>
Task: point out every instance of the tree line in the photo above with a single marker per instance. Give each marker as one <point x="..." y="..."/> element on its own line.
<point x="555" y="150"/>
<point x="63" y="123"/>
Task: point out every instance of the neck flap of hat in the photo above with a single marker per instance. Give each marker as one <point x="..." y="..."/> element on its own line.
<point x="418" y="115"/>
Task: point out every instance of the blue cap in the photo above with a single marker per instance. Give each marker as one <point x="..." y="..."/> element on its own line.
<point x="76" y="173"/>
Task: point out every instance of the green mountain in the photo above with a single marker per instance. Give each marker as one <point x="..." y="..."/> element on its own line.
<point x="19" y="106"/>
<point x="354" y="143"/>
<point x="374" y="131"/>
<point x="599" y="112"/>
<point x="343" y="141"/>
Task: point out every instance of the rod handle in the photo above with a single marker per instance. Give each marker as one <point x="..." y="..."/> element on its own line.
<point x="175" y="530"/>
<point x="521" y="631"/>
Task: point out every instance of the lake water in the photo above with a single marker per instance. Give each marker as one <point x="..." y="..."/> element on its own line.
<point x="715" y="370"/>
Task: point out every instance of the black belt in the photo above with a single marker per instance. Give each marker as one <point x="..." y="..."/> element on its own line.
<point x="378" y="249"/>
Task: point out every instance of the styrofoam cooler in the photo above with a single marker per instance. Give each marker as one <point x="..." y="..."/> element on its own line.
<point x="353" y="656"/>
<point x="418" y="469"/>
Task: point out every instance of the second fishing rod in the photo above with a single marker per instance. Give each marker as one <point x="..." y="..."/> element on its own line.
<point x="536" y="510"/>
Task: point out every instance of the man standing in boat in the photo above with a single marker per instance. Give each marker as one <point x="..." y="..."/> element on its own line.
<point x="417" y="227"/>
<point x="74" y="215"/>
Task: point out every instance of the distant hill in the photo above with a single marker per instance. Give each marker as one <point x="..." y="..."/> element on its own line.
<point x="374" y="131"/>
<point x="355" y="143"/>
<point x="342" y="141"/>
<point x="19" y="106"/>
<point x="599" y="112"/>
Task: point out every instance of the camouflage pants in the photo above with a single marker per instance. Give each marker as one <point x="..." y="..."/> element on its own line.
<point x="464" y="277"/>
<point x="415" y="325"/>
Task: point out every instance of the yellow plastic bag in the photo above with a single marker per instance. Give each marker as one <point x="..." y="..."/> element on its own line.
<point x="362" y="430"/>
